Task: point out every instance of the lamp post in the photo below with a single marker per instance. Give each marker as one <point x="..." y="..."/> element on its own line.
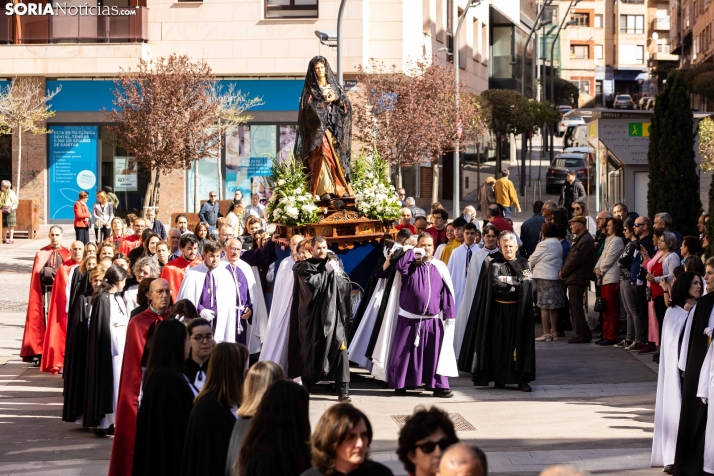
<point x="457" y="173"/>
<point x="339" y="42"/>
<point x="562" y="25"/>
<point x="525" y="48"/>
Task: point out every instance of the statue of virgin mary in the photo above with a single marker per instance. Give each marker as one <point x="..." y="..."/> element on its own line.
<point x="324" y="132"/>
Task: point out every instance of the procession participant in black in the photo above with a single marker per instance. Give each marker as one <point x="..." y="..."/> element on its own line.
<point x="320" y="313"/>
<point x="689" y="456"/>
<point x="75" y="358"/>
<point x="503" y="338"/>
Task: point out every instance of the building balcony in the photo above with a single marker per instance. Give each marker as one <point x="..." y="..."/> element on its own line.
<point x="128" y="25"/>
<point x="658" y="56"/>
<point x="661" y="24"/>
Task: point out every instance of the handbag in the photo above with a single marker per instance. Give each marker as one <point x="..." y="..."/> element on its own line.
<point x="6" y="210"/>
<point x="599" y="305"/>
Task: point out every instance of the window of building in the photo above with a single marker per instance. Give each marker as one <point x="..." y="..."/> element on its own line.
<point x="632" y="24"/>
<point x="663" y="45"/>
<point x="581" y="18"/>
<point x="579" y="51"/>
<point x="583" y="86"/>
<point x="291" y="9"/>
<point x="598" y="20"/>
<point x="476" y="40"/>
<point x="484" y="43"/>
<point x="598" y="52"/>
<point x="439" y="20"/>
<point x="426" y="13"/>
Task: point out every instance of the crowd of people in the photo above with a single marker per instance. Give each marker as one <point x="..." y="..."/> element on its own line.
<point x="147" y="326"/>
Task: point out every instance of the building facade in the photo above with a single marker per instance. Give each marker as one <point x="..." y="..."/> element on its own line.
<point x="261" y="46"/>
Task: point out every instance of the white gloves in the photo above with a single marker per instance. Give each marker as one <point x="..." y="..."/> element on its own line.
<point x="506" y="279"/>
<point x="208" y="315"/>
<point x="708" y="332"/>
<point x="419" y="252"/>
<point x="329" y="267"/>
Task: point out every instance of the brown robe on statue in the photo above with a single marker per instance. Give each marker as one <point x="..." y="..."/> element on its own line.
<point x="326" y="174"/>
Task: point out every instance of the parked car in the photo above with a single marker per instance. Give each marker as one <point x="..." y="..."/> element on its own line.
<point x="565" y="108"/>
<point x="576" y="136"/>
<point x="583" y="149"/>
<point x="623" y="101"/>
<point x="577" y="161"/>
<point x="569" y="121"/>
<point x="642" y="103"/>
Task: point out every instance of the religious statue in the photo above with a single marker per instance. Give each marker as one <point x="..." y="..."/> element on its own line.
<point x="324" y="132"/>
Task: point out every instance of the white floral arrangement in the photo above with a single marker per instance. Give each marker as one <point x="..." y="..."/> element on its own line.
<point x="291" y="202"/>
<point x="376" y="197"/>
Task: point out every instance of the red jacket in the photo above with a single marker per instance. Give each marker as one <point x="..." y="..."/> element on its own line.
<point x="81" y="211"/>
<point x="501" y="223"/>
<point x="408" y="227"/>
<point x="56" y="333"/>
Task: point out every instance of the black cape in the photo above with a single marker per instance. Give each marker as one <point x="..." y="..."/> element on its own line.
<point x="78" y="285"/>
<point x="75" y="357"/>
<point x="100" y="372"/>
<point x="319" y="316"/>
<point x="368" y="292"/>
<point x="207" y="436"/>
<point x="161" y="424"/>
<point x="503" y="345"/>
<point x="689" y="455"/>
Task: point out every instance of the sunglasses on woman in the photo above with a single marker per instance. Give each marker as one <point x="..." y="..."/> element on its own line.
<point x="430" y="446"/>
<point x="577" y="208"/>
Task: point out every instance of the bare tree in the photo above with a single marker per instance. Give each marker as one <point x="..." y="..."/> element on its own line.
<point x="231" y="113"/>
<point x="165" y="117"/>
<point x="410" y="116"/>
<point x="23" y="108"/>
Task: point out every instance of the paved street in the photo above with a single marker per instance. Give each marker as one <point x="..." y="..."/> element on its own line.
<point x="590" y="406"/>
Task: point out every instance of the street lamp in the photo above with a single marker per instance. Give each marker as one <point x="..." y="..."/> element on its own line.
<point x="457" y="172"/>
<point x="327" y="38"/>
<point x="525" y="48"/>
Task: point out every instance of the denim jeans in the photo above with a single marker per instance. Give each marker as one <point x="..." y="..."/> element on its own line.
<point x="635" y="329"/>
<point x="507" y="212"/>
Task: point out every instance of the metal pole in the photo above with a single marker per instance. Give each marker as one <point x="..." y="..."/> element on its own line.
<point x="340" y="78"/>
<point x="525" y="48"/>
<point x="457" y="164"/>
<point x="552" y="69"/>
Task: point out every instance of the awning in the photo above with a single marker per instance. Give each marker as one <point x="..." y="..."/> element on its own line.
<point x="627" y="74"/>
<point x="643" y="77"/>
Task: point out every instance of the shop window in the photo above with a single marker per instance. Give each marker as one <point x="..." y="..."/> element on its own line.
<point x="283" y="9"/>
<point x="583" y="86"/>
<point x="598" y="20"/>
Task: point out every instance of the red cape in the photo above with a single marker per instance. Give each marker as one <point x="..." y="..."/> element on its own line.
<point x="35" y="318"/>
<point x="129" y="243"/>
<point x="129" y="386"/>
<point x="175" y="271"/>
<point x="56" y="333"/>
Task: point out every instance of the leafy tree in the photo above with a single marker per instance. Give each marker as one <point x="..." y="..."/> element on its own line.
<point x="510" y="114"/>
<point x="673" y="181"/>
<point x="23" y="108"/>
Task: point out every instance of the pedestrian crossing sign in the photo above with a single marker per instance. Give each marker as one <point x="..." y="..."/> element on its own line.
<point x="639" y="129"/>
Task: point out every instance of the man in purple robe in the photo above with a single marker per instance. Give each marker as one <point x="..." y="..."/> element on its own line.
<point x="426" y="310"/>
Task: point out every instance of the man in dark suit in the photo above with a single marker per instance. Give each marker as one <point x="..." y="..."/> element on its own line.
<point x="530" y="230"/>
<point x="576" y="273"/>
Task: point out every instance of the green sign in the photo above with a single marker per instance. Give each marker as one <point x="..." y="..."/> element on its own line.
<point x="639" y="129"/>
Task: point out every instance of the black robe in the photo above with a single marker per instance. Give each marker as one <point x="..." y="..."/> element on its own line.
<point x="161" y="424"/>
<point x="75" y="357"/>
<point x="78" y="285"/>
<point x="100" y="371"/>
<point x="504" y="341"/>
<point x="368" y="292"/>
<point x="319" y="315"/>
<point x="689" y="455"/>
<point x="207" y="436"/>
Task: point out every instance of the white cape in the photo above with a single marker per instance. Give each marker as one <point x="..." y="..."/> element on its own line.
<point x="669" y="389"/>
<point x="383" y="347"/>
<point x="470" y="288"/>
<point x="275" y="347"/>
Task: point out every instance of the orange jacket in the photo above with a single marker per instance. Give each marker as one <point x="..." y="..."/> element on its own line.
<point x="81" y="211"/>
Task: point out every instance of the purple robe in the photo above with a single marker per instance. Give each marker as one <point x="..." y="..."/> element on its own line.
<point x="410" y="365"/>
<point x="243" y="302"/>
<point x="208" y="297"/>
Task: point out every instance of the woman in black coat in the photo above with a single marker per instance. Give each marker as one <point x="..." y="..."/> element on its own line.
<point x="166" y="404"/>
<point x="214" y="412"/>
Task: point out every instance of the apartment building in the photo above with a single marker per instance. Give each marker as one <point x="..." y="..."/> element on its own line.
<point x="659" y="47"/>
<point x="261" y="46"/>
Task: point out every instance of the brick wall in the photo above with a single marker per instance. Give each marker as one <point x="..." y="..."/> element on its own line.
<point x="33" y="168"/>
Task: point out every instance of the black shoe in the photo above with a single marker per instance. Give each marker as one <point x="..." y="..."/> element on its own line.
<point x="524" y="387"/>
<point x="110" y="430"/>
<point x="344" y="398"/>
<point x="499" y="385"/>
<point x="400" y="392"/>
<point x="606" y="342"/>
<point x="669" y="469"/>
<point x="100" y="433"/>
<point x="597" y="342"/>
<point x="443" y="393"/>
<point x="655" y="357"/>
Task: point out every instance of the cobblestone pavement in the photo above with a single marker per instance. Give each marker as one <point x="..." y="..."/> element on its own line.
<point x="592" y="407"/>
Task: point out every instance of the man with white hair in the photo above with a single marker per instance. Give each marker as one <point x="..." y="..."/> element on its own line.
<point x="416" y="211"/>
<point x="154" y="224"/>
<point x="504" y="316"/>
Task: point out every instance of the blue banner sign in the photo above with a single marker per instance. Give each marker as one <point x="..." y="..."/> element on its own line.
<point x="72" y="168"/>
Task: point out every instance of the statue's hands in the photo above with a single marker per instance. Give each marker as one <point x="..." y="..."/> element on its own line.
<point x="330" y="97"/>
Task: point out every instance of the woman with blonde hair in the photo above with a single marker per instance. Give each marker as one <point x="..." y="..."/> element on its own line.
<point x="259" y="378"/>
<point x="103" y="212"/>
<point x="9" y="204"/>
<point x="213" y="416"/>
